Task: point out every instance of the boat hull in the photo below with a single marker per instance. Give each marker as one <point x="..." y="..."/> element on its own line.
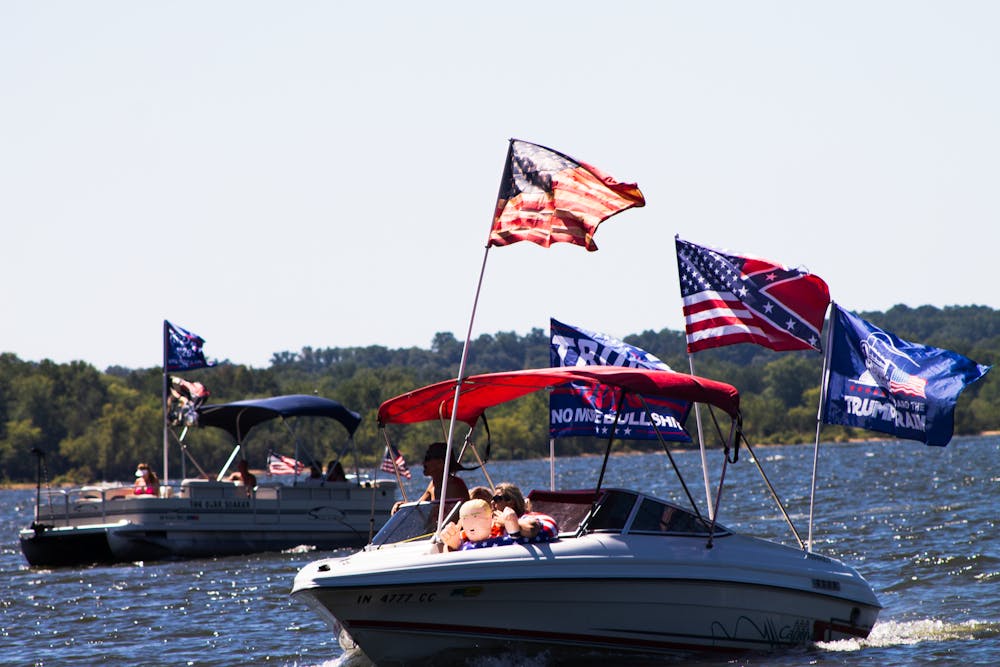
<point x="205" y="519"/>
<point x="592" y="595"/>
<point x="70" y="545"/>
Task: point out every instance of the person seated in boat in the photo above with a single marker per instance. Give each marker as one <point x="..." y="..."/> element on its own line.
<point x="146" y="481"/>
<point x="477" y="528"/>
<point x="434" y="468"/>
<point x="481" y="492"/>
<point x="335" y="472"/>
<point x="315" y="472"/>
<point x="510" y="522"/>
<point x="247" y="478"/>
<point x="511" y="510"/>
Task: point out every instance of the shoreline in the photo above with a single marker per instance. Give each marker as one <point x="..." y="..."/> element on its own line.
<point x="24" y="486"/>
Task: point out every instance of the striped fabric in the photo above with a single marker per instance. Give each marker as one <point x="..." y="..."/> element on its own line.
<point x="547" y="197"/>
<point x="393" y="461"/>
<point x="548" y="529"/>
<point x="731" y="299"/>
<point x="283" y="465"/>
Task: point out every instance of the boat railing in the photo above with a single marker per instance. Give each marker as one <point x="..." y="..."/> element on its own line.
<point x="65" y="507"/>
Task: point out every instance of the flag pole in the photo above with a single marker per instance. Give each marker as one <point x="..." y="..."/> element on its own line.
<point x="458" y="390"/>
<point x="701" y="446"/>
<point x="465" y="352"/>
<point x="166" y="381"/>
<point x="552" y="464"/>
<point x="824" y="381"/>
<point x="395" y="468"/>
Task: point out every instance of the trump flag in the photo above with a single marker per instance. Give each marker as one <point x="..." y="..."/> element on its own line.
<point x="732" y="299"/>
<point x="547" y="197"/>
<point x="583" y="410"/>
<point x="184" y="351"/>
<point x="879" y="382"/>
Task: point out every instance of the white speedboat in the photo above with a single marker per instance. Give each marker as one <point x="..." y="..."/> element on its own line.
<point x="629" y="574"/>
<point x="212" y="517"/>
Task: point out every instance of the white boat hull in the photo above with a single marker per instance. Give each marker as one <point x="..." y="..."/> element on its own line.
<point x="93" y="525"/>
<point x="591" y="594"/>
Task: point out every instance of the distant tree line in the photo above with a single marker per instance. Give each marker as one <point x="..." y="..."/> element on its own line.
<point x="95" y="426"/>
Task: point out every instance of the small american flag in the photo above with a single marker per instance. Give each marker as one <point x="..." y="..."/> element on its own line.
<point x="393" y="461"/>
<point x="283" y="465"/>
<point x="901" y="382"/>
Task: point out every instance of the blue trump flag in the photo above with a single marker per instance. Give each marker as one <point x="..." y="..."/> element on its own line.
<point x="882" y="383"/>
<point x="581" y="410"/>
<point x="183" y="349"/>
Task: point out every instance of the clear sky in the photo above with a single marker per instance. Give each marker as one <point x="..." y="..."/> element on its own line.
<point x="275" y="175"/>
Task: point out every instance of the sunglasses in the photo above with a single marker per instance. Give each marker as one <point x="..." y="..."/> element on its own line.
<point x="499" y="498"/>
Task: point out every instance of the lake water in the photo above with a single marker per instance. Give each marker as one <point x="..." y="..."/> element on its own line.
<point x="920" y="523"/>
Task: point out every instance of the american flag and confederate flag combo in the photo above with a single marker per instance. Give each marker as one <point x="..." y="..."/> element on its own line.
<point x="732" y="299"/>
<point x="547" y="197"/>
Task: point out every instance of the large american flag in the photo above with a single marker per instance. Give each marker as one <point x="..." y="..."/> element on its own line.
<point x="393" y="461"/>
<point x="732" y="299"/>
<point x="547" y="197"/>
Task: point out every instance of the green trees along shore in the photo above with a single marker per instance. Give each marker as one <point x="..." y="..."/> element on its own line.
<point x="95" y="425"/>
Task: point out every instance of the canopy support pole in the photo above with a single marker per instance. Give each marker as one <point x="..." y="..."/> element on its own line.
<point x="229" y="462"/>
<point x="670" y="457"/>
<point x="552" y="464"/>
<point x="469" y="444"/>
<point x="774" y="494"/>
<point x="458" y="391"/>
<point x="701" y="446"/>
<point x="187" y="455"/>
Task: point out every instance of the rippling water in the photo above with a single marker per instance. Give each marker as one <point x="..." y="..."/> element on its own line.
<point x="920" y="523"/>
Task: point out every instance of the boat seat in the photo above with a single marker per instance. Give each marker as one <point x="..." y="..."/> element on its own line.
<point x="568" y="508"/>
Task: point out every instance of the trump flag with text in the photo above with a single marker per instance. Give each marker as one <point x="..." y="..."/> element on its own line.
<point x="882" y="383"/>
<point x="183" y="349"/>
<point x="586" y="410"/>
<point x="547" y="197"/>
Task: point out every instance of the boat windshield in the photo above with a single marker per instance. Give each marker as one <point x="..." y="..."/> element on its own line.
<point x="621" y="511"/>
<point x="413" y="521"/>
<point x="661" y="518"/>
<point x="612" y="512"/>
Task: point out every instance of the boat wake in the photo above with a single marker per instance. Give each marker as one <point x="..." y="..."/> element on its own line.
<point x="894" y="633"/>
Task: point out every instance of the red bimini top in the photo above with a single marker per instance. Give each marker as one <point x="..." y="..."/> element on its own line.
<point x="479" y="392"/>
